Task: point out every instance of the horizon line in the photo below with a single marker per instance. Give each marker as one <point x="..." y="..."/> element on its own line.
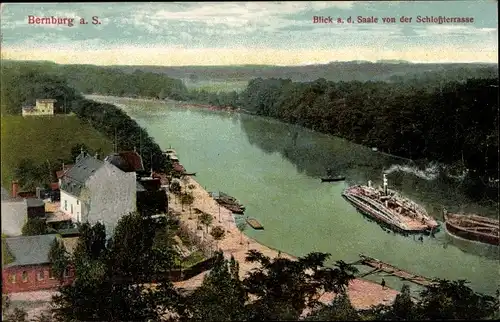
<point x="379" y="61"/>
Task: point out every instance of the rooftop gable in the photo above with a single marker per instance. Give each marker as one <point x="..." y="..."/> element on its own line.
<point x="29" y="250"/>
<point x="73" y="180"/>
<point x="127" y="161"/>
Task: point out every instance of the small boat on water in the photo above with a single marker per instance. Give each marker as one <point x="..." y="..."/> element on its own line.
<point x="390" y="208"/>
<point x="473" y="227"/>
<point x="228" y="202"/>
<point x="332" y="178"/>
<point x="252" y="222"/>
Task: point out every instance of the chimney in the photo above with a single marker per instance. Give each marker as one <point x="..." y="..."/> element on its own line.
<point x="15" y="188"/>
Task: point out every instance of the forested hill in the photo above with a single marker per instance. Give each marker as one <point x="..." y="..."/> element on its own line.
<point x="89" y="79"/>
<point x="448" y="115"/>
<point x="24" y="82"/>
<point x="453" y="123"/>
<point x="391" y="71"/>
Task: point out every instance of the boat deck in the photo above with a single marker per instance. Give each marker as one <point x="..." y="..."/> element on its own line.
<point x="393" y="209"/>
<point x="254" y="224"/>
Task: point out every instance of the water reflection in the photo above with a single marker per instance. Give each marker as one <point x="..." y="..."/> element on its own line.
<point x="313" y="153"/>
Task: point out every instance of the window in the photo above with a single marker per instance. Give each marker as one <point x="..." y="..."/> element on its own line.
<point x="51" y="274"/>
<point x="71" y="208"/>
<point x="66" y="205"/>
<point x="40" y="276"/>
<point x="25" y="276"/>
<point x="13" y="278"/>
<point x="77" y="202"/>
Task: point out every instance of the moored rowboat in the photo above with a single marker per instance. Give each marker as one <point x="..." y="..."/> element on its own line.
<point x="473" y="227"/>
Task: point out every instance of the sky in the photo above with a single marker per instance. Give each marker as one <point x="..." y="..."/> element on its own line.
<point x="238" y="33"/>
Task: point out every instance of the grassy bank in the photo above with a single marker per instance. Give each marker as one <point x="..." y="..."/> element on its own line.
<point x="44" y="139"/>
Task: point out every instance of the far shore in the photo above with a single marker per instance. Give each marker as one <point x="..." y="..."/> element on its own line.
<point x="362" y="293"/>
<point x="168" y="101"/>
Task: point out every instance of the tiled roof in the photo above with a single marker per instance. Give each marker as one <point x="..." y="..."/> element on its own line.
<point x="30" y="250"/>
<point x="128" y="161"/>
<point x="74" y="179"/>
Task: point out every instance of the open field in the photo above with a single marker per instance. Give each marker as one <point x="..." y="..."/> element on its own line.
<point x="44" y="139"/>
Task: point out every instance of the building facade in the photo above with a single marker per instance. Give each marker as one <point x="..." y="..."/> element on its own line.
<point x="96" y="191"/>
<point x="42" y="107"/>
<point x="30" y="267"/>
<point x="14" y="212"/>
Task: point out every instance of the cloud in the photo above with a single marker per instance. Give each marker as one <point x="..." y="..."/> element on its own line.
<point x="233" y="15"/>
<point x="280" y="26"/>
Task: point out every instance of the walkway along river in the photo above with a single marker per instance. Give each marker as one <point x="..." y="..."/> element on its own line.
<point x="274" y="169"/>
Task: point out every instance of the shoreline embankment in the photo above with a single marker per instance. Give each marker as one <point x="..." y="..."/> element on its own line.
<point x="362" y="293"/>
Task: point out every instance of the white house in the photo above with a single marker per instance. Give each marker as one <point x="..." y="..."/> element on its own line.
<point x="14" y="214"/>
<point x="96" y="191"/>
<point x="42" y="107"/>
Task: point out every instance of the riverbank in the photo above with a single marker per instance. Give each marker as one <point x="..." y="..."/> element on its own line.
<point x="362" y="293"/>
<point x="168" y="101"/>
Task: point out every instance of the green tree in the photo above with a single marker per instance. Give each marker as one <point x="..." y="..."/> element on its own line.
<point x="34" y="226"/>
<point x="341" y="309"/>
<point x="58" y="258"/>
<point x="108" y="286"/>
<point x="284" y="287"/>
<point x="218" y="234"/>
<point x="132" y="255"/>
<point x="206" y="219"/>
<point x="175" y="187"/>
<point x="77" y="149"/>
<point x="403" y="307"/>
<point x="453" y="300"/>
<point x="221" y="297"/>
<point x="187" y="199"/>
<point x="31" y="175"/>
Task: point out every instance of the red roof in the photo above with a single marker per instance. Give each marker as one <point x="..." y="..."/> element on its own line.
<point x="60" y="173"/>
<point x="133" y="159"/>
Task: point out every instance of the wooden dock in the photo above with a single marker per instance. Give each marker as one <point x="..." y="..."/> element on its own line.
<point x="254" y="224"/>
<point x="380" y="266"/>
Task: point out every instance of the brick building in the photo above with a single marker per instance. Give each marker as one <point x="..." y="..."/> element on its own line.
<point x="27" y="266"/>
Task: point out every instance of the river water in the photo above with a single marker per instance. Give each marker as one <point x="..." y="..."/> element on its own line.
<point x="274" y="169"/>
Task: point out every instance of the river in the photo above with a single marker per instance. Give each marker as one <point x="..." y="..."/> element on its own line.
<point x="274" y="168"/>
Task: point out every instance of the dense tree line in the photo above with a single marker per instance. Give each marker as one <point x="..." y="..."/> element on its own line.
<point x="25" y="82"/>
<point x="451" y="123"/>
<point x="447" y="114"/>
<point x="108" y="287"/>
<point x="335" y="71"/>
<point x="116" y="124"/>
